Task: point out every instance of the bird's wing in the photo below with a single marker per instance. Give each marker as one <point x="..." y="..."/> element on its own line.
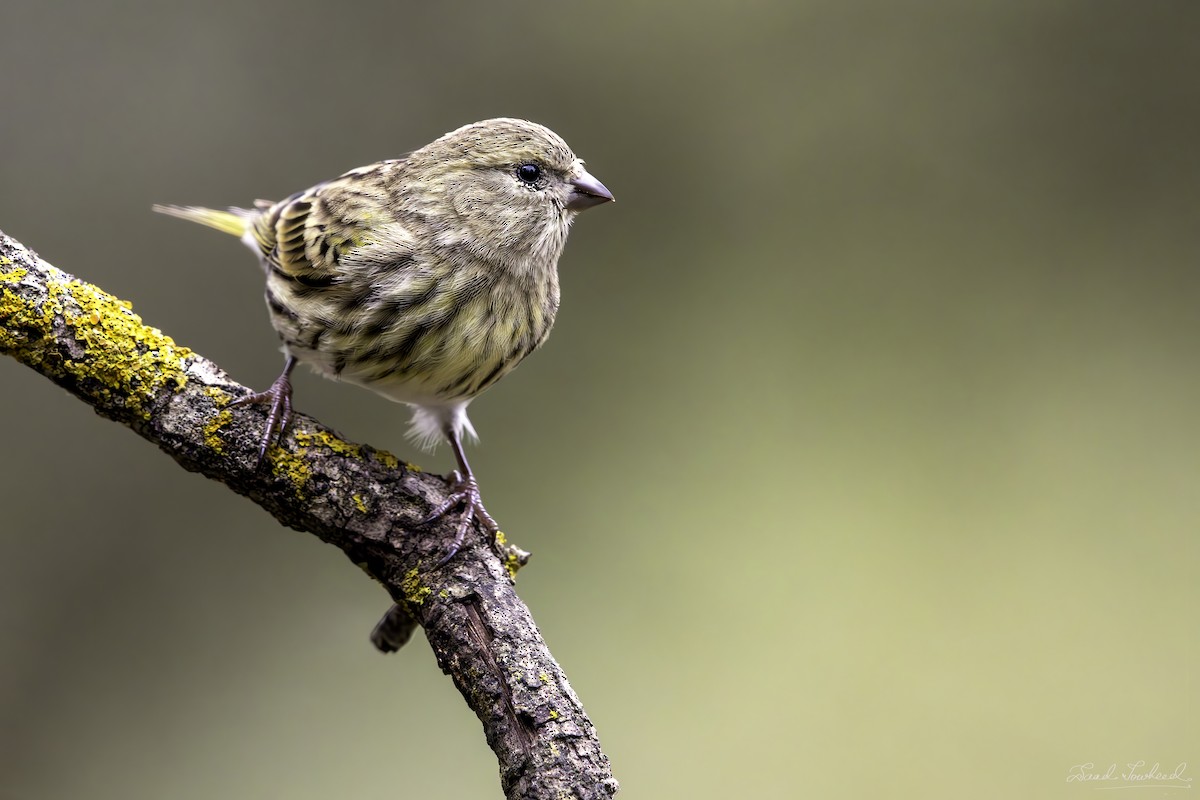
<point x="312" y="237"/>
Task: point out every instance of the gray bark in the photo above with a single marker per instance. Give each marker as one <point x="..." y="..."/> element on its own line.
<point x="359" y="499"/>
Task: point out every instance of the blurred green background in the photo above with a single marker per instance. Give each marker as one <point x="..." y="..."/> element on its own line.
<point x="863" y="460"/>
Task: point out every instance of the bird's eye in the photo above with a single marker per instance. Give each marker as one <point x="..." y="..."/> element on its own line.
<point x="529" y="173"/>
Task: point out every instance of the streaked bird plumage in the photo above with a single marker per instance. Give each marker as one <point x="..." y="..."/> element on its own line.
<point x="425" y="278"/>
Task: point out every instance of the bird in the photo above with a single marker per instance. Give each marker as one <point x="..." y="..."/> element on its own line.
<point x="425" y="278"/>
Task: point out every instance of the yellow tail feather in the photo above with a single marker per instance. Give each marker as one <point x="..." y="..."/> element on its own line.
<point x="234" y="221"/>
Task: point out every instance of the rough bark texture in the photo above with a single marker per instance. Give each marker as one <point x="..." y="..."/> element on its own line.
<point x="359" y="499"/>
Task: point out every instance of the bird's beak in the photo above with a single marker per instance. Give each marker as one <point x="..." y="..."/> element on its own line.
<point x="587" y="192"/>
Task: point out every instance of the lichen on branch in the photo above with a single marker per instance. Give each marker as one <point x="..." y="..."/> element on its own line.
<point x="362" y="500"/>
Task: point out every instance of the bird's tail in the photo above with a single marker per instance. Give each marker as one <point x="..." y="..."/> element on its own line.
<point x="234" y="221"/>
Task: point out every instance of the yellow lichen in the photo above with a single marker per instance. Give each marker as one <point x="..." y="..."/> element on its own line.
<point x="391" y="462"/>
<point x="512" y="559"/>
<point x="414" y="591"/>
<point x="329" y="441"/>
<point x="218" y="395"/>
<point x="359" y="503"/>
<point x="290" y="464"/>
<point x="123" y="358"/>
<point x="212" y="430"/>
<point x="553" y="714"/>
<point x="13" y="277"/>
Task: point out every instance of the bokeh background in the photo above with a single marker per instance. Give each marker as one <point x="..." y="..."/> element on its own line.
<point x="863" y="461"/>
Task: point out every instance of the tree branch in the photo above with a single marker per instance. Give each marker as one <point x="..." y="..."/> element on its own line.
<point x="359" y="499"/>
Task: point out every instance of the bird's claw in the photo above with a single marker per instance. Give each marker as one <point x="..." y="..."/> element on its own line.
<point x="280" y="414"/>
<point x="464" y="493"/>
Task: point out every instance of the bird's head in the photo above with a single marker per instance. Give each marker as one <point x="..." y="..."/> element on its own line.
<point x="514" y="186"/>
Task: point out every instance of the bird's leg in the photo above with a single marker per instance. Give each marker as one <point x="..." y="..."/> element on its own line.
<point x="464" y="493"/>
<point x="280" y="398"/>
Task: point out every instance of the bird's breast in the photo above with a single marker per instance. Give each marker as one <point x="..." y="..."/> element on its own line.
<point x="433" y="340"/>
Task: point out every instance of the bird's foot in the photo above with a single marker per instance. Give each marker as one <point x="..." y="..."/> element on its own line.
<point x="279" y="396"/>
<point x="464" y="494"/>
